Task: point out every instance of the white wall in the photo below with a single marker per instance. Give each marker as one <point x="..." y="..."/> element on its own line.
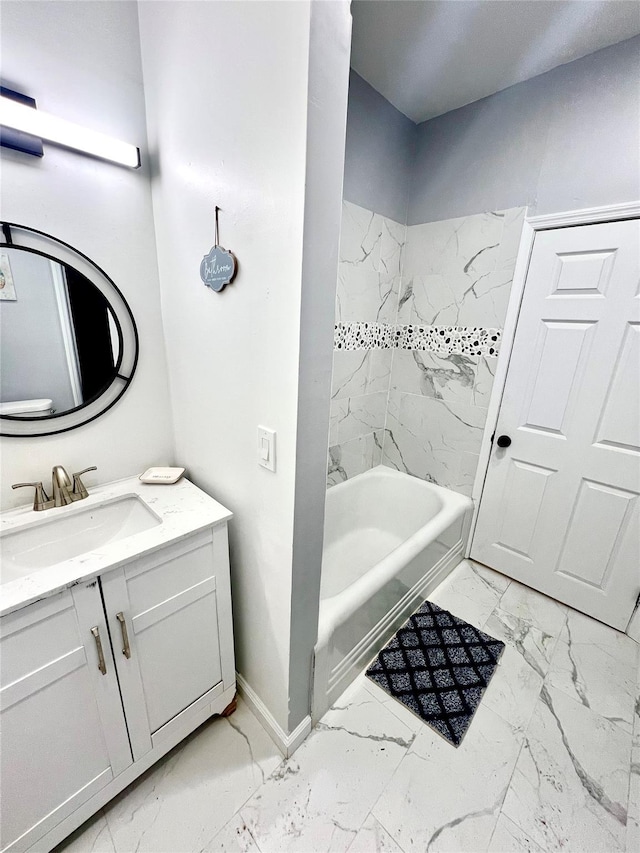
<point x="226" y="93"/>
<point x="329" y="53"/>
<point x="81" y="60"/>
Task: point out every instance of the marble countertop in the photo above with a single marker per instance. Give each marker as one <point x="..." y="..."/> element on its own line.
<point x="182" y="508"/>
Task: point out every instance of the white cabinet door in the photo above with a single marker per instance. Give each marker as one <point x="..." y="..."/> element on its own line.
<point x="560" y="509"/>
<point x="163" y="613"/>
<point x="63" y="734"/>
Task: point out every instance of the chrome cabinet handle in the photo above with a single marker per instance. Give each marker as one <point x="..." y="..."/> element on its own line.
<point x="102" y="666"/>
<point x="126" y="648"/>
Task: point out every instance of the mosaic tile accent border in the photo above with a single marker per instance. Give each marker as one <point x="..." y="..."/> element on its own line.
<point x="447" y="340"/>
<point x="444" y="340"/>
<point x="352" y="336"/>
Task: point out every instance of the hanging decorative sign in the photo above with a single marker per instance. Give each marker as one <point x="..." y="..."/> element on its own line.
<point x="218" y="268"/>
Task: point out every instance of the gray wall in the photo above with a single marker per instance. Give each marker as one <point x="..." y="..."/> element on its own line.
<point x="379" y="152"/>
<point x="34" y="363"/>
<point x="564" y="140"/>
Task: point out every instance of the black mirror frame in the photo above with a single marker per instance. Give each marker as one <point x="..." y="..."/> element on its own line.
<point x="31" y="240"/>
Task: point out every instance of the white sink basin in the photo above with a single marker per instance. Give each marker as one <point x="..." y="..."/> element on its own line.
<point x="75" y="531"/>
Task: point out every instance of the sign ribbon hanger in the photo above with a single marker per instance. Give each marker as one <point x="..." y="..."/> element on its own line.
<point x="219" y="267"/>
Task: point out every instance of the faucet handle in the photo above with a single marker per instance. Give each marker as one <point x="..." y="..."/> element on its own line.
<point x="41" y="499"/>
<point x="79" y="490"/>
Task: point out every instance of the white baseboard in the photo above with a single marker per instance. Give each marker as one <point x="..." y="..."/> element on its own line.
<point x="286" y="743"/>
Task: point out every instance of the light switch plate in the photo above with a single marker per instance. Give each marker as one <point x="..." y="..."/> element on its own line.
<point x="267" y="448"/>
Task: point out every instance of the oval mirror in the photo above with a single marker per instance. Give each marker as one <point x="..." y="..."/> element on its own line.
<point x="68" y="340"/>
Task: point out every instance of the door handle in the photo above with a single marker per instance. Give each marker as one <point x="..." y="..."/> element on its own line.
<point x="503" y="441"/>
<point x="102" y="666"/>
<point x="126" y="648"/>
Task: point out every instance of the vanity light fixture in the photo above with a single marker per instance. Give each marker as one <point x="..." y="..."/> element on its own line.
<point x="18" y="116"/>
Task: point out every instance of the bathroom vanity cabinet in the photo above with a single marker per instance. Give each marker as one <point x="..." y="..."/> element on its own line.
<point x="104" y="676"/>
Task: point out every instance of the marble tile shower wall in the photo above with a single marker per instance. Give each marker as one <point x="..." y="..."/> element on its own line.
<point x="368" y="290"/>
<point x="456" y="273"/>
<point x="419" y="316"/>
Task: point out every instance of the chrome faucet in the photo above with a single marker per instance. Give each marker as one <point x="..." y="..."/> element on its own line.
<point x="64" y="492"/>
<point x="61" y="486"/>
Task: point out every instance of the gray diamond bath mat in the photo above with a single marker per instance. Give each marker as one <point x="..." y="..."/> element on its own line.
<point x="438" y="666"/>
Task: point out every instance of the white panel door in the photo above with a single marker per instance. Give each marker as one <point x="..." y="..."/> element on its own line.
<point x="560" y="509"/>
<point x="64" y="736"/>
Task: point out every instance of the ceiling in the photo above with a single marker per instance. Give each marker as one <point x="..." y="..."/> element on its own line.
<point x="431" y="56"/>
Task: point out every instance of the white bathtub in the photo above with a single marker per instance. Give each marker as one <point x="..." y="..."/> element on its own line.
<point x="389" y="540"/>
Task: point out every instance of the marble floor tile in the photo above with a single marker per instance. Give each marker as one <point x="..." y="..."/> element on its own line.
<point x="398" y="709"/>
<point x="533" y="644"/>
<point x="596" y="665"/>
<point x="186" y="799"/>
<point x="373" y="838"/>
<point x="514" y="689"/>
<point x="540" y="769"/>
<point x="530" y="622"/>
<point x="534" y="607"/>
<point x="494" y="579"/>
<point x="234" y="837"/>
<point x="443" y="798"/>
<point x="319" y="799"/>
<point x="92" y="837"/>
<point x="468" y="594"/>
<point x="570" y="786"/>
<point x="633" y="817"/>
<point x="509" y="838"/>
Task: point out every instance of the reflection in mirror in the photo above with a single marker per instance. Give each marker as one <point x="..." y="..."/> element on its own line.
<point x="59" y="342"/>
<point x="68" y="340"/>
